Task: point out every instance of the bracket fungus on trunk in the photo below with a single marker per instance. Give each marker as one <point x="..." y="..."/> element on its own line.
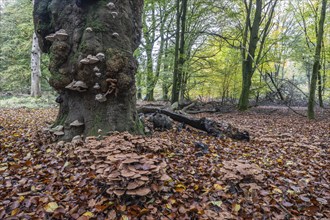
<point x="101" y="98"/>
<point x="76" y="123"/>
<point x="61" y="35"/>
<point x="100" y="56"/>
<point x="97" y="86"/>
<point x="115" y="35"/>
<point x="79" y="86"/>
<point x="90" y="59"/>
<point x="89" y="29"/>
<point x="114" y="14"/>
<point x="111" y="5"/>
<point x="50" y="37"/>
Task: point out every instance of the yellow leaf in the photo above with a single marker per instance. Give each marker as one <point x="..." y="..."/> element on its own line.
<point x="124" y="217"/>
<point x="88" y="214"/>
<point x="237" y="207"/>
<point x="21" y="198"/>
<point x="49" y="150"/>
<point x="66" y="164"/>
<point x="180" y="188"/>
<point x="33" y="188"/>
<point x="14" y="212"/>
<point x="217" y="187"/>
<point x="280" y="161"/>
<point x="217" y="203"/>
<point x="168" y="206"/>
<point x="291" y="192"/>
<point x="51" y="207"/>
<point x="277" y="191"/>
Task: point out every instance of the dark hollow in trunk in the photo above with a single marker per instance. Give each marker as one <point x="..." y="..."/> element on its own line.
<point x="91" y="46"/>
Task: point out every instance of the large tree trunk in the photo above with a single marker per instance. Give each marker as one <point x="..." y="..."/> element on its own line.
<point x="316" y="66"/>
<point x="96" y="53"/>
<point x="35" y="68"/>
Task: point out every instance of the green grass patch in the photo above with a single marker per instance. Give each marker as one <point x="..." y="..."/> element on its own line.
<point x="46" y="101"/>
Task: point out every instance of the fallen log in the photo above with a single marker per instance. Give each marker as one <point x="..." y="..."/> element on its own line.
<point x="211" y="127"/>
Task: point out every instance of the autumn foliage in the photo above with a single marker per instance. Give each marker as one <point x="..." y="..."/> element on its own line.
<point x="282" y="173"/>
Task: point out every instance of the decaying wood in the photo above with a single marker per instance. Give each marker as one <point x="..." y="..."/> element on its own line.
<point x="204" y="124"/>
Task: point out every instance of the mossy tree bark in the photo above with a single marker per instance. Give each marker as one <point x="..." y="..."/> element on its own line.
<point x="91" y="61"/>
<point x="316" y="65"/>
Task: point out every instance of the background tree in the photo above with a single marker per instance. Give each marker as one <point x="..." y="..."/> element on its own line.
<point x="35" y="67"/>
<point x="317" y="58"/>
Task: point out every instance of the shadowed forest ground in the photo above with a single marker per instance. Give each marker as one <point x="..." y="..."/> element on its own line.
<point x="282" y="173"/>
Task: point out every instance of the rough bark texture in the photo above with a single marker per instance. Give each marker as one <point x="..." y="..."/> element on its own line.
<point x="112" y="28"/>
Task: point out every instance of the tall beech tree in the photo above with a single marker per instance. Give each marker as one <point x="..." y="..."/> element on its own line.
<point x="180" y="56"/>
<point x="317" y="61"/>
<point x="254" y="38"/>
<point x="91" y="46"/>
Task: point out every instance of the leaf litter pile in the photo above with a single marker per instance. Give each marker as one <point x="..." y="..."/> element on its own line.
<point x="282" y="173"/>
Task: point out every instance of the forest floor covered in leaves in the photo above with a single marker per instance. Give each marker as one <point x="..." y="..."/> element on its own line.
<point x="282" y="173"/>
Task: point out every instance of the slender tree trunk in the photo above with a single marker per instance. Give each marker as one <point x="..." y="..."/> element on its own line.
<point x="176" y="73"/>
<point x="316" y="66"/>
<point x="35" y="68"/>
<point x="319" y="87"/>
<point x="249" y="59"/>
<point x="150" y="75"/>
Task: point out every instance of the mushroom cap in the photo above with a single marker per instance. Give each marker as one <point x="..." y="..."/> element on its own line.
<point x="115" y="34"/>
<point x="70" y="85"/>
<point x="139" y="192"/>
<point x="97" y="86"/>
<point x="96" y="69"/>
<point x="111" y="5"/>
<point x="100" y="98"/>
<point x="57" y="128"/>
<point x="84" y="61"/>
<point x="114" y="14"/>
<point x="93" y="59"/>
<point x="76" y="123"/>
<point x="50" y="37"/>
<point x="80" y="84"/>
<point x="100" y="56"/>
<point x="59" y="133"/>
<point x="61" y="34"/>
<point x="89" y="29"/>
